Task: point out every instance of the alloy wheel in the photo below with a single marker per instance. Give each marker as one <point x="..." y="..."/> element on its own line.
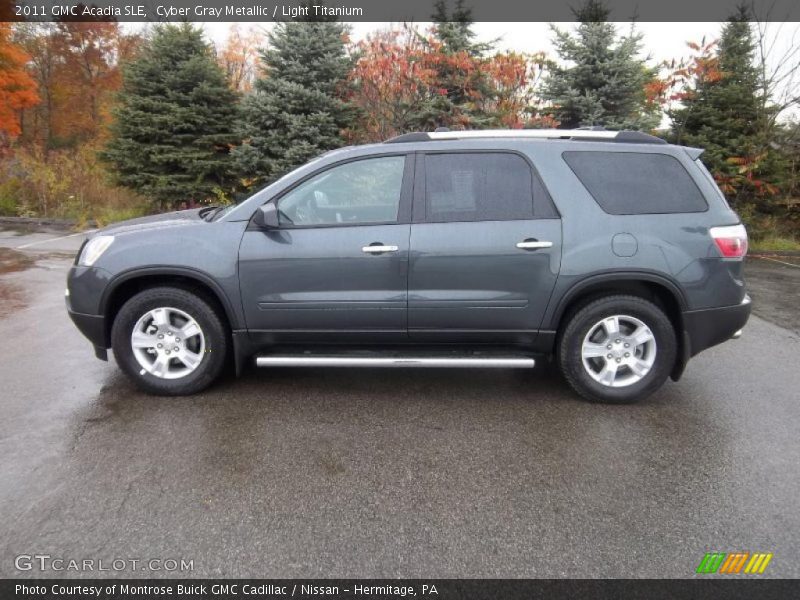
<point x="618" y="351"/>
<point x="168" y="343"/>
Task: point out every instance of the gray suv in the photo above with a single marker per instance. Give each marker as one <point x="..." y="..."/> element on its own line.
<point x="613" y="252"/>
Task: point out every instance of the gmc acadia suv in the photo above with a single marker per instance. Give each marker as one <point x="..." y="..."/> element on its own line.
<point x="612" y="251"/>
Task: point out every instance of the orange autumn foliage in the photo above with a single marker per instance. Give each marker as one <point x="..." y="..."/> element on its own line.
<point x="86" y="79"/>
<point x="239" y="57"/>
<point x="76" y="66"/>
<point x="515" y="78"/>
<point x="701" y="65"/>
<point x="397" y="71"/>
<point x="390" y="79"/>
<point x="17" y="88"/>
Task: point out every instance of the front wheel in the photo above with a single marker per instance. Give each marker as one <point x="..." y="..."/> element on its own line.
<point x="170" y="341"/>
<point x="617" y="349"/>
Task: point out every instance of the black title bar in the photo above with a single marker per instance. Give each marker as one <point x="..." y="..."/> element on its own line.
<point x="384" y="10"/>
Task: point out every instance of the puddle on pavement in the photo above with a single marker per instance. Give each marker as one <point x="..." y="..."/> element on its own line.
<point x="12" y="296"/>
<point x="11" y="260"/>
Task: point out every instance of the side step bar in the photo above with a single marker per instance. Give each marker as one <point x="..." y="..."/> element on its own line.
<point x="398" y="361"/>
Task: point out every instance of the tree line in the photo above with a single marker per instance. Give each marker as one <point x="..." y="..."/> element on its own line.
<point x="99" y="123"/>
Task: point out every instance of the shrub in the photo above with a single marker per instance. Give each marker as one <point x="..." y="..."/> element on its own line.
<point x="9" y="193"/>
<point x="64" y="184"/>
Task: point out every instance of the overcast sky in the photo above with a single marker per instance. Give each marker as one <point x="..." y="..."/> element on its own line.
<point x="663" y="41"/>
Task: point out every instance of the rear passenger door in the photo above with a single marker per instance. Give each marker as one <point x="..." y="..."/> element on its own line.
<point x="485" y="248"/>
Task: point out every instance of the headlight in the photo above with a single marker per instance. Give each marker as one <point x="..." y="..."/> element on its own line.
<point x="93" y="249"/>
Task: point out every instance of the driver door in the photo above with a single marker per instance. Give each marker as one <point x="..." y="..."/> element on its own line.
<point x="337" y="268"/>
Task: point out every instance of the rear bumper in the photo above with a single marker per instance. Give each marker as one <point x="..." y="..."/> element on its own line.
<point x="709" y="327"/>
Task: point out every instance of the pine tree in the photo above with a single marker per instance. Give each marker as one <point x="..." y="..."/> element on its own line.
<point x="174" y="126"/>
<point x="463" y="87"/>
<point x="604" y="82"/>
<point x="296" y="111"/>
<point x="721" y="113"/>
<point x="455" y="30"/>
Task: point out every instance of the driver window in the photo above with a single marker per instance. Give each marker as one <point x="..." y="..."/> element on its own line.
<point x="364" y="191"/>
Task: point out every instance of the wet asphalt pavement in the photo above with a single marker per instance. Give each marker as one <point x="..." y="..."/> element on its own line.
<point x="399" y="473"/>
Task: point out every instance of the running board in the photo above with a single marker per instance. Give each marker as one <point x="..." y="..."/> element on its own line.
<point x="468" y="362"/>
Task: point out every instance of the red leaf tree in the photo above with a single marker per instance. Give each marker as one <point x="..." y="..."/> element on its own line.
<point x="17" y="87"/>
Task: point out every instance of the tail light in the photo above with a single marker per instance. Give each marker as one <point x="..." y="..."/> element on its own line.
<point x="731" y="240"/>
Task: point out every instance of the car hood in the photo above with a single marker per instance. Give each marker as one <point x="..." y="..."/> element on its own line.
<point x="178" y="218"/>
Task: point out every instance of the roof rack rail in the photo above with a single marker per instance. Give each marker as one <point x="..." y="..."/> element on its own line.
<point x="628" y="137"/>
<point x="417" y="136"/>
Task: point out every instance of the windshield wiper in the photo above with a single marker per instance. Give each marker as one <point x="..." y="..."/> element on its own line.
<point x="208" y="214"/>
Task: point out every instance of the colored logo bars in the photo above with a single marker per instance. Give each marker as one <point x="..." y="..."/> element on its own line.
<point x="734" y="562"/>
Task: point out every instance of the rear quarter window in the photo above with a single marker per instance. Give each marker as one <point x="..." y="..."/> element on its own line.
<point x="634" y="183"/>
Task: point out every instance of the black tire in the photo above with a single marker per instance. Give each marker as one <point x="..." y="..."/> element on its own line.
<point x="580" y="323"/>
<point x="213" y="329"/>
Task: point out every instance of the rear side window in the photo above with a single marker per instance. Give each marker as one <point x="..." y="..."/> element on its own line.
<point x="478" y="187"/>
<point x="632" y="183"/>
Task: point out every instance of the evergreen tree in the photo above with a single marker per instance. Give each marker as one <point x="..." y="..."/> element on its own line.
<point x="604" y="81"/>
<point x="174" y="125"/>
<point x="463" y="87"/>
<point x="296" y="111"/>
<point x="454" y="30"/>
<point x="721" y="113"/>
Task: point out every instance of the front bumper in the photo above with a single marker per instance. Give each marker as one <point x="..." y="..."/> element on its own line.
<point x="712" y="326"/>
<point x="93" y="327"/>
<point x="85" y="286"/>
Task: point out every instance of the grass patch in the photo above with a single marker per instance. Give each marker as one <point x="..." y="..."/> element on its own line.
<point x="775" y="243"/>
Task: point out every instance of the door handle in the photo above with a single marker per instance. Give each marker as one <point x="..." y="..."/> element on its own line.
<point x="379" y="249"/>
<point x="534" y="244"/>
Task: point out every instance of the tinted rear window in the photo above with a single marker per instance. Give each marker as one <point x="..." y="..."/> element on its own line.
<point x="632" y="183"/>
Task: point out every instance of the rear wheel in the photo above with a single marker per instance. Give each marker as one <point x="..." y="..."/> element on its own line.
<point x="169" y="341"/>
<point x="617" y="349"/>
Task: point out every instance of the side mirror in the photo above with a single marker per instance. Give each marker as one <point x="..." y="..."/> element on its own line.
<point x="267" y="216"/>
